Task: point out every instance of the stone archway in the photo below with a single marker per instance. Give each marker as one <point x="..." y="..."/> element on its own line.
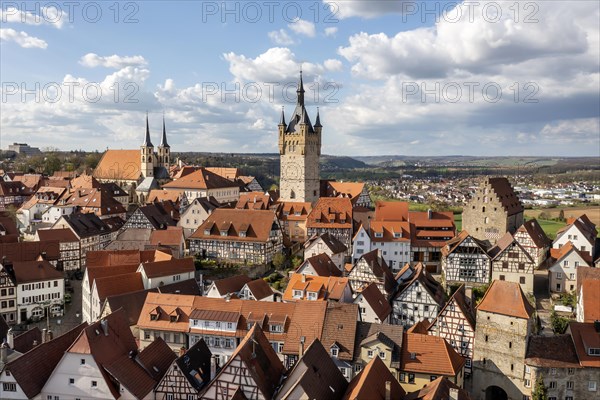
<point x="495" y="393"/>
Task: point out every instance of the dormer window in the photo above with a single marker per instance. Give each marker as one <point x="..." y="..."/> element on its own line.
<point x="312" y="295"/>
<point x="334" y="351"/>
<point x="298" y="294"/>
<point x="242" y="233"/>
<point x="207" y="232"/>
<point x="397" y="235"/>
<point x="223" y="233"/>
<point x="594" y="351"/>
<point x="173" y="318"/>
<point x="276" y="328"/>
<point x="378" y="234"/>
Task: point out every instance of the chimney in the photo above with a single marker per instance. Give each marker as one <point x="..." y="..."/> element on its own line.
<point x="301" y="347"/>
<point x="213" y="367"/>
<point x="44" y="331"/>
<point x="303" y="278"/>
<point x="453" y="394"/>
<point x="388" y="390"/>
<point x="10" y="337"/>
<point x="104" y="326"/>
<point x="429" y="213"/>
<point x="35" y="343"/>
<point x="182" y="351"/>
<point x="3" y="354"/>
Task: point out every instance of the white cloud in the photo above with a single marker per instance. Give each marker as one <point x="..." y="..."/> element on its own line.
<point x="341" y="9"/>
<point x="22" y="39"/>
<point x="92" y="60"/>
<point x="303" y="27"/>
<point x="473" y="45"/>
<point x="577" y="129"/>
<point x="331" y="31"/>
<point x="333" y="64"/>
<point x="52" y="16"/>
<point x="281" y="37"/>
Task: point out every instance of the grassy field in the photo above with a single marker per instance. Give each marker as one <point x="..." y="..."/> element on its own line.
<point x="550" y="227"/>
<point x="458" y="221"/>
<point x="593" y="213"/>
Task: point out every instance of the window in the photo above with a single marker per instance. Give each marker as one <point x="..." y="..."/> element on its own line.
<point x="552" y="385"/>
<point x="527" y="369"/>
<point x="146" y="337"/>
<point x="527" y="383"/>
<point x="510" y="346"/>
<point x="382" y="355"/>
<point x="169" y="396"/>
<point x="10" y="387"/>
<point x="522" y="280"/>
<point x="334" y="351"/>
<point x="370" y="353"/>
<point x="94" y="384"/>
<point x="468" y="363"/>
<point x="82" y="361"/>
<point x="71" y="381"/>
<point x="411" y="378"/>
<point x="592" y="386"/>
<point x="553" y="371"/>
<point x="344" y="371"/>
<point x="432" y="378"/>
<point x="570" y="385"/>
<point x="559" y="275"/>
<point x="594" y="351"/>
<point x="464" y="345"/>
<point x="402" y="377"/>
<point x="502" y="277"/>
<point x="571" y="371"/>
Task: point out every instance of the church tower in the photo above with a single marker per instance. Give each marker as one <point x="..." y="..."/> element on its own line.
<point x="164" y="150"/>
<point x="299" y="153"/>
<point x="147" y="154"/>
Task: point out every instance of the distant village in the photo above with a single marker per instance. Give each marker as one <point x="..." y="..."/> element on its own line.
<point x="152" y="279"/>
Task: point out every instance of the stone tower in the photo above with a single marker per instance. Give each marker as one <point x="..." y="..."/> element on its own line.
<point x="299" y="153"/>
<point x="164" y="150"/>
<point x="147" y="154"/>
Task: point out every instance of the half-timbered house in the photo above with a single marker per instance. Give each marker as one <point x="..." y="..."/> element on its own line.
<point x="511" y="262"/>
<point x="326" y="244"/>
<point x="292" y="216"/>
<point x="378" y="340"/>
<point x="465" y="260"/>
<point x="188" y="374"/>
<point x="417" y="298"/>
<point x="333" y="216"/>
<point x="372" y="305"/>
<point x="238" y="236"/>
<point x="253" y="369"/>
<point x="319" y="265"/>
<point x="533" y="239"/>
<point x="456" y="324"/>
<point x="153" y="216"/>
<point x="371" y="267"/>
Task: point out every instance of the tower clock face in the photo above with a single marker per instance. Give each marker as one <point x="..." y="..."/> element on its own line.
<point x="292" y="171"/>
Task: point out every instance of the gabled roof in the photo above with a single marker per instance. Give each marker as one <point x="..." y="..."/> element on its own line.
<point x="583" y="224"/>
<point x="118" y="284"/>
<point x="506" y="298"/>
<point x="259" y="288"/>
<point x="566" y="249"/>
<point x="379" y="268"/>
<point x="536" y="233"/>
<point x="42" y="359"/>
<point x="194" y="364"/>
<point x="323" y="265"/>
<point x="391" y="211"/>
<point x="331" y="212"/>
<point x="351" y="190"/>
<point x="261" y="361"/>
<point x="316" y="374"/>
<point x="225" y="172"/>
<point x="432" y="355"/>
<point x="432" y="286"/>
<point x="339" y="327"/>
<point x="238" y="225"/>
<point x="158" y="214"/>
<point x="102" y="258"/>
<point x="160" y="195"/>
<point x="34" y="271"/>
<point x="254" y="201"/>
<point x="585" y="336"/>
<point x="88" y="224"/>
<point x="230" y="285"/>
<point x="119" y="165"/>
<point x="30" y="251"/>
<point x="200" y="179"/>
<point x="438" y="390"/>
<point x="63" y="235"/>
<point x="456" y="241"/>
<point x="170" y="267"/>
<point x="507" y="242"/>
<point x="459" y="298"/>
<point x="556" y="351"/>
<point x="590" y="297"/>
<point x="26" y="341"/>
<point x="507" y="196"/>
<point x="376" y="301"/>
<point x="326" y="287"/>
<point x="587" y="273"/>
<point x="388" y="230"/>
<point x="332" y="242"/>
<point x="371" y="383"/>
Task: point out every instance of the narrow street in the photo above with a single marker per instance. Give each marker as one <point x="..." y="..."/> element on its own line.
<point x="543" y="301"/>
<point x="71" y="317"/>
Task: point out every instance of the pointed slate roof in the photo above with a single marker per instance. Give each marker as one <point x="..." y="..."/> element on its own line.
<point x="506" y="298"/>
<point x="147" y="141"/>
<point x="163" y="142"/>
<point x="299" y="116"/>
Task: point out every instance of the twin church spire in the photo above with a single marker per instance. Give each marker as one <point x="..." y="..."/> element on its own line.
<point x="148" y="141"/>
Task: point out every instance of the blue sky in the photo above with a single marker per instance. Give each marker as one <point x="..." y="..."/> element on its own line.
<point x="392" y="79"/>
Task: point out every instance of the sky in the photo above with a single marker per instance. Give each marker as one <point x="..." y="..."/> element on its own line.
<point x="484" y="78"/>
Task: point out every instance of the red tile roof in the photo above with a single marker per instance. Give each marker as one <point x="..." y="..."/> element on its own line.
<point x="339" y="328"/>
<point x="63" y="235"/>
<point x="202" y="179"/>
<point x="438" y="390"/>
<point x="370" y="383"/>
<point x="432" y="355"/>
<point x="590" y="289"/>
<point x="35" y="271"/>
<point x="119" y="165"/>
<point x="506" y="298"/>
<point x="391" y="211"/>
<point x="331" y="212"/>
<point x="42" y="359"/>
<point x="376" y="301"/>
<point x="173" y="266"/>
<point x="172" y="236"/>
<point x="323" y="265"/>
<point x="585" y="336"/>
<point x="118" y="284"/>
<point x="256" y="224"/>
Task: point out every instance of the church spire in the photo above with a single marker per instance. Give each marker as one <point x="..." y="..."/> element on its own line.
<point x="300" y="91"/>
<point x="163" y="142"/>
<point x="282" y="119"/>
<point x="318" y="120"/>
<point x="147" y="141"/>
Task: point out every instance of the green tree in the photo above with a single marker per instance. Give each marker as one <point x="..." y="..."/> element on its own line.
<point x="279" y="260"/>
<point x="540" y="392"/>
<point x="559" y="324"/>
<point x="561" y="216"/>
